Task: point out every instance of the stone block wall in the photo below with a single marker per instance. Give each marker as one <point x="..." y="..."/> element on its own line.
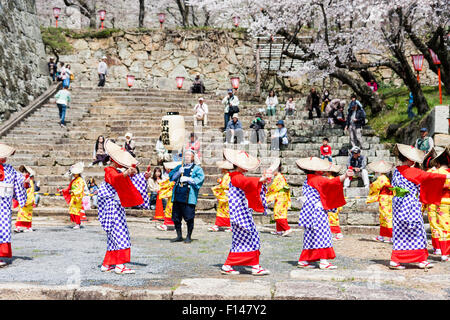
<point x="23" y="69"/>
<point x="156" y="58"/>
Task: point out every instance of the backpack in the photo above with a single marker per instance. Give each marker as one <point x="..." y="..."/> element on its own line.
<point x="72" y="77"/>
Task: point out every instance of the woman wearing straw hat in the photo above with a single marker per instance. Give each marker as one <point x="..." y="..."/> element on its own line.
<point x="221" y="193"/>
<point x="74" y="194"/>
<point x="333" y="215"/>
<point x="280" y="193"/>
<point x="379" y="191"/>
<point x="12" y="184"/>
<point x="165" y="192"/>
<point x="321" y="195"/>
<point x="408" y="234"/>
<point x="246" y="194"/>
<point x="25" y="213"/>
<point x="122" y="187"/>
<point x="439" y="215"/>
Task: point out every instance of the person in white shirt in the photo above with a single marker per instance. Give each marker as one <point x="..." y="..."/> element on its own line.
<point x="290" y="106"/>
<point x="62" y="101"/>
<point x="161" y="152"/>
<point x="102" y="71"/>
<point x="201" y="112"/>
<point x="271" y="103"/>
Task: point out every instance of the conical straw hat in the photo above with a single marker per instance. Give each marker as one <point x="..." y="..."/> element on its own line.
<point x="438" y="152"/>
<point x="314" y="164"/>
<point x="6" y="151"/>
<point x="119" y="155"/>
<point x="336" y="168"/>
<point x="30" y="171"/>
<point x="110" y="146"/>
<point x="241" y="159"/>
<point x="409" y="152"/>
<point x="274" y="166"/>
<point x="77" y="168"/>
<point x="171" y="165"/>
<point x="227" y="165"/>
<point x="380" y="166"/>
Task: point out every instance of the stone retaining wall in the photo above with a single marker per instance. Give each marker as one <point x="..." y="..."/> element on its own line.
<point x="156" y="58"/>
<point x="23" y="70"/>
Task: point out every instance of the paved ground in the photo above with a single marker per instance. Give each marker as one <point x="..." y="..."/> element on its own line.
<point x="55" y="257"/>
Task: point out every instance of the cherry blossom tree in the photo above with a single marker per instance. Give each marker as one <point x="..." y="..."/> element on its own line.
<point x="348" y="38"/>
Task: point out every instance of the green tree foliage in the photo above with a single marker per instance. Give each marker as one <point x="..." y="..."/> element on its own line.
<point x="55" y="40"/>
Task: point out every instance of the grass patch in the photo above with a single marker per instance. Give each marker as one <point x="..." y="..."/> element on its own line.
<point x="396" y="100"/>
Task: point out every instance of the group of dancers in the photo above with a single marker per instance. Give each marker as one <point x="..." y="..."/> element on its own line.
<point x="401" y="202"/>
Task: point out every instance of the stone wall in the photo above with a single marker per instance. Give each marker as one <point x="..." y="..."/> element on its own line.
<point x="157" y="58"/>
<point x="23" y="70"/>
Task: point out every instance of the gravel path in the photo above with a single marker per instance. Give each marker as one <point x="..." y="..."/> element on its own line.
<point x="57" y="255"/>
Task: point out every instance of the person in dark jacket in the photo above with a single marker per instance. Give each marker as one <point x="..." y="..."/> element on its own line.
<point x="355" y="121"/>
<point x="313" y="102"/>
<point x="257" y="135"/>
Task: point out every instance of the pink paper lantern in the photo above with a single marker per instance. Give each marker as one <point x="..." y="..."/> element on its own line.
<point x="130" y="80"/>
<point x="179" y="81"/>
<point x="56" y="12"/>
<point x="236" y="20"/>
<point x="235" y="82"/>
<point x="417" y="60"/>
<point x="161" y="17"/>
<point x="102" y="14"/>
<point x="434" y="57"/>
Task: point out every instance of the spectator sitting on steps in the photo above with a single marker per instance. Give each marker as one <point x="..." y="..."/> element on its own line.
<point x="201" y="112"/>
<point x="197" y="85"/>
<point x="161" y="152"/>
<point x="279" y="137"/>
<point x="271" y="103"/>
<point x="129" y="144"/>
<point x="257" y="134"/>
<point x="234" y="129"/>
<point x="354" y="101"/>
<point x="100" y="154"/>
<point x="290" y="107"/>
<point x="358" y="162"/>
<point x="325" y="150"/>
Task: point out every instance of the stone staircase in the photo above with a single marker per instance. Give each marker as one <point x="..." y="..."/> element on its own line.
<point x="42" y="144"/>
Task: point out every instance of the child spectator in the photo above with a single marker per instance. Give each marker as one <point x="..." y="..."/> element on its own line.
<point x="93" y="190"/>
<point x="290" y="106"/>
<point x="325" y="150"/>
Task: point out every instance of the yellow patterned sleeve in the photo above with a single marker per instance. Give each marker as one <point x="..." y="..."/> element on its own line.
<point x="375" y="188"/>
<point x="166" y="188"/>
<point x="277" y="185"/>
<point x="30" y="194"/>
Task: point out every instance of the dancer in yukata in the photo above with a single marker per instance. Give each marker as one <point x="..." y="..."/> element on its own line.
<point x="122" y="187"/>
<point x="12" y="185"/>
<point x="246" y="195"/>
<point x="320" y="195"/>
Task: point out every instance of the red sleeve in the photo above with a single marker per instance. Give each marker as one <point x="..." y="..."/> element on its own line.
<point x="331" y="191"/>
<point x="66" y="193"/>
<point x="431" y="184"/>
<point x="128" y="194"/>
<point x="329" y="150"/>
<point x="251" y="187"/>
<point x="321" y="150"/>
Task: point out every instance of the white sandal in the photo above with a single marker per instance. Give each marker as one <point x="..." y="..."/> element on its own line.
<point x="226" y="269"/>
<point x="327" y="266"/>
<point x="396" y="266"/>
<point x="305" y="265"/>
<point x="425" y="265"/>
<point x="259" y="271"/>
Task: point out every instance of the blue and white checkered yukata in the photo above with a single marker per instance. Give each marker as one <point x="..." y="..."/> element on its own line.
<point x="111" y="215"/>
<point x="10" y="187"/>
<point x="245" y="195"/>
<point x="408" y="234"/>
<point x="313" y="217"/>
